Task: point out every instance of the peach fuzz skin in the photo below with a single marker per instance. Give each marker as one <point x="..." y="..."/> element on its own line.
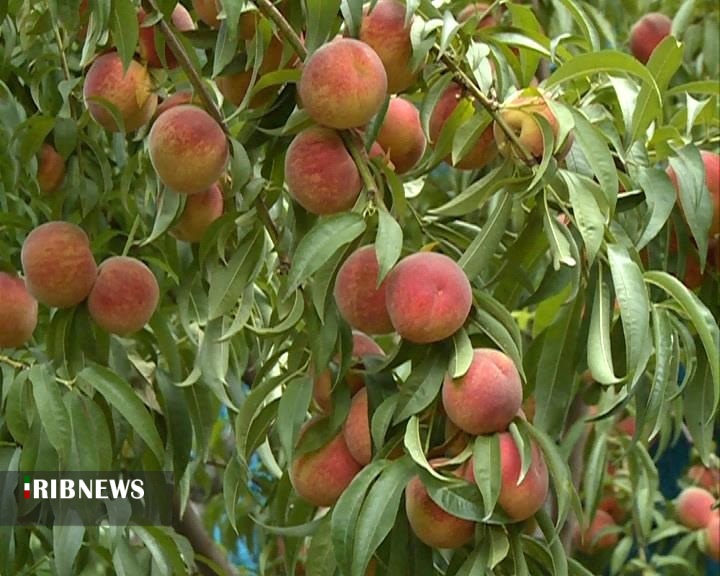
<point x="58" y="264"/>
<point x="401" y="135"/>
<point x="18" y="312"/>
<point x="428" y="297"/>
<point x="124" y="297"/>
<point x="487" y="397"/>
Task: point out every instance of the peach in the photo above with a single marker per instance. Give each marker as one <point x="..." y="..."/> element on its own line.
<point x="627" y="426"/>
<point x="612" y="506"/>
<point x="321" y="476"/>
<point x="430" y="523"/>
<point x="401" y="135"/>
<point x="360" y="301"/>
<point x="708" y="478"/>
<point x="201" y="210"/>
<point x="124" y="297"/>
<point x="207" y="11"/>
<point x="520" y="112"/>
<point x="177" y="99"/>
<point x="712" y="537"/>
<point x="475" y="10"/>
<point x="51" y="169"/>
<point x="320" y="173"/>
<point x="519" y="502"/>
<point x="712" y="181"/>
<point x="428" y="297"/>
<point x="343" y="84"/>
<point x="487" y="397"/>
<point x="455" y="439"/>
<point x="591" y="541"/>
<point x="694" y="507"/>
<point x="384" y="29"/>
<point x="363" y="346"/>
<point x="482" y="153"/>
<point x="130" y="92"/>
<point x="647" y="33"/>
<point x="357" y="428"/>
<point x="188" y="149"/>
<point x="18" y="312"/>
<point x="58" y="264"/>
<point x="181" y="21"/>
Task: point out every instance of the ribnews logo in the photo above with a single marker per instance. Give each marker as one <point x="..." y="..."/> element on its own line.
<point x="86" y="498"/>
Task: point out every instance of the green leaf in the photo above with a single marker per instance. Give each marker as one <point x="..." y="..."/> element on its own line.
<point x="120" y="395"/>
<point x="595" y="473"/>
<point x="557" y="552"/>
<point x="294" y="404"/>
<point x="317" y="247"/>
<point x="422" y="386"/>
<point x="414" y="448"/>
<point x="321" y="559"/>
<point x="51" y="410"/>
<point x="588" y="216"/>
<point x="124" y="28"/>
<point x="599" y="352"/>
<point x="462" y="354"/>
<point x="660" y="196"/>
<point x="481" y="250"/>
<point x="67" y="541"/>
<point x="178" y="422"/>
<point x="235" y="482"/>
<point x="320" y="17"/>
<point x="388" y="243"/>
<point x="487" y="470"/>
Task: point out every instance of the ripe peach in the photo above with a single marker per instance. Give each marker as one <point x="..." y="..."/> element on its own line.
<point x="207" y="11"/>
<point x="200" y="211"/>
<point x="518" y="502"/>
<point x="694" y="507"/>
<point x="627" y="426"/>
<point x="712" y="537"/>
<point x="487" y="397"/>
<point x="124" y="297"/>
<point x="59" y="267"/>
<point x="188" y="149"/>
<point x="363" y="346"/>
<point x="130" y="92"/>
<point x="320" y="173"/>
<point x="647" y="33"/>
<point x="18" y="312"/>
<point x="321" y="476"/>
<point x="612" y="506"/>
<point x="343" y="84"/>
<point x="708" y="478"/>
<point x="360" y="301"/>
<point x="484" y="150"/>
<point x="357" y="428"/>
<point x="519" y="113"/>
<point x="384" y="29"/>
<point x="590" y="540"/>
<point x="712" y="181"/>
<point x="430" y="523"/>
<point x="428" y="297"/>
<point x="51" y="169"/>
<point x="181" y="21"/>
<point x="179" y="98"/>
<point x="401" y="134"/>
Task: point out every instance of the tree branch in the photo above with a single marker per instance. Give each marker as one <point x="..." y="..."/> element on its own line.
<point x="268" y="8"/>
<point x="359" y="156"/>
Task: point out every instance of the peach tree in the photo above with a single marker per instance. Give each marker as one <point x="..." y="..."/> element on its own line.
<point x="391" y="287"/>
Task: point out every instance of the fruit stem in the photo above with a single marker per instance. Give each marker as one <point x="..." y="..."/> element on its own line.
<point x="13" y="363"/>
<point x="360" y="158"/>
<point x="269" y="9"/>
<point x="489" y="105"/>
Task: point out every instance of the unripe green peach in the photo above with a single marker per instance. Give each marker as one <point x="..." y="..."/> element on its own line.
<point x="482" y="153"/>
<point x="124" y="297"/>
<point x="130" y="92"/>
<point x="401" y="135"/>
<point x="58" y="264"/>
<point x="188" y="149"/>
<point x="428" y="297"/>
<point x="647" y="33"/>
<point x="321" y="476"/>
<point x="51" y="169"/>
<point x="181" y="21"/>
<point x="590" y="541"/>
<point x="343" y="84"/>
<point x="430" y="523"/>
<point x="487" y="397"/>
<point x="360" y="301"/>
<point x="320" y="173"/>
<point x="694" y="507"/>
<point x="201" y="210"/>
<point x="384" y="29"/>
<point x="363" y="346"/>
<point x="18" y="312"/>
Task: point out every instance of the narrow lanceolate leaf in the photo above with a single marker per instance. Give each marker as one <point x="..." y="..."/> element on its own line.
<point x="321" y="558"/>
<point x="422" y="386"/>
<point x="557" y="552"/>
<point x="595" y="473"/>
<point x="462" y="354"/>
<point x="121" y="396"/>
<point x="663" y="343"/>
<point x="487" y="470"/>
<point x="660" y="197"/>
<point x="590" y="219"/>
<point x="599" y="353"/>
<point x="413" y="445"/>
<point x="293" y="408"/>
<point x="481" y="249"/>
<point x="320" y="243"/>
<point x="51" y="410"/>
<point x="235" y="481"/>
<point x="388" y="243"/>
<point x="632" y="297"/>
<point x="124" y="27"/>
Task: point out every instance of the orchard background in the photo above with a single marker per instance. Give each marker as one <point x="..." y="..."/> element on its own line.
<point x="532" y="222"/>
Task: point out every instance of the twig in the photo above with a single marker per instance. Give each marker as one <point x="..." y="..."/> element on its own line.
<point x="13" y="363"/>
<point x="268" y="8"/>
<point x="359" y="156"/>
